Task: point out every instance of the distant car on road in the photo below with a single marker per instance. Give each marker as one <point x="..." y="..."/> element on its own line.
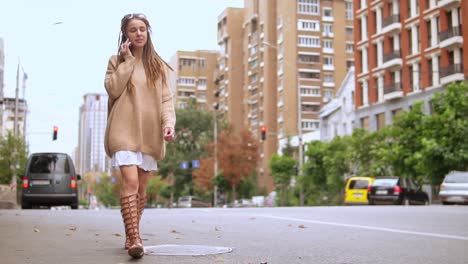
<point x="454" y="188"/>
<point x="50" y="180"/>
<point x="396" y="190"/>
<point x="356" y="190"/>
<point x="191" y="201"/>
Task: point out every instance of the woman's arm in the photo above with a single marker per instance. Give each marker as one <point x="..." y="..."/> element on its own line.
<point x="117" y="77"/>
<point x="168" y="111"/>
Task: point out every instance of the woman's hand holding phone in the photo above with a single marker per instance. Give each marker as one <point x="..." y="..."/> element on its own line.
<point x="125" y="49"/>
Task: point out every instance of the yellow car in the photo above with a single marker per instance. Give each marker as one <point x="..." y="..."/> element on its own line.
<point x="356" y="190"/>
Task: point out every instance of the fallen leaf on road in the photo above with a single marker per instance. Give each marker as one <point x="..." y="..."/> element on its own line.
<point x="72" y="228"/>
<point x="217" y="229"/>
<point x="36" y="230"/>
<point x="219" y="260"/>
<point x="302" y="226"/>
<point x="68" y="235"/>
<point x="96" y="234"/>
<point x="289" y="225"/>
<point x="117" y="235"/>
<point x="175" y="231"/>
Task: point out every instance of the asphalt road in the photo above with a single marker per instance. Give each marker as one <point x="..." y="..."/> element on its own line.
<point x="312" y="235"/>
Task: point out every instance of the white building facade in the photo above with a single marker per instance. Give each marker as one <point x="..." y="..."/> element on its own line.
<point x="337" y="117"/>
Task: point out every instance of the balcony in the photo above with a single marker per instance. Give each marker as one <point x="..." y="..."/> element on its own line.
<point x="393" y="91"/>
<point x="452" y="73"/>
<point x="451" y="37"/>
<point x="448" y="4"/>
<point x="392" y="59"/>
<point x="391" y="24"/>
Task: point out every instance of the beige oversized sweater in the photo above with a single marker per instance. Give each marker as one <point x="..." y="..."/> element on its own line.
<point x="136" y="118"/>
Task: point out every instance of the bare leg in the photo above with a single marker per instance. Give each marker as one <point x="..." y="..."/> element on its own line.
<point x="143" y="177"/>
<point x="130" y="181"/>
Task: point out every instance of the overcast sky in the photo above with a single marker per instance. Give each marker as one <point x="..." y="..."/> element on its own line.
<point x="64" y="48"/>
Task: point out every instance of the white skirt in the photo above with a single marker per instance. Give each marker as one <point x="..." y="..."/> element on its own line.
<point x="126" y="158"/>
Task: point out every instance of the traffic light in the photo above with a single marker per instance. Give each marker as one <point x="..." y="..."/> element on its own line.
<point x="263" y="130"/>
<point x="55" y="132"/>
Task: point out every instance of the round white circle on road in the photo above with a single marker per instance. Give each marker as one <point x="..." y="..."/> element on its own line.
<point x="185" y="250"/>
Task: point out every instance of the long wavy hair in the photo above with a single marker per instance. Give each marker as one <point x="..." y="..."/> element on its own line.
<point x="152" y="62"/>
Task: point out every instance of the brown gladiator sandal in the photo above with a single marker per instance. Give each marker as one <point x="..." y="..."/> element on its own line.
<point x="141" y="208"/>
<point x="129" y="210"/>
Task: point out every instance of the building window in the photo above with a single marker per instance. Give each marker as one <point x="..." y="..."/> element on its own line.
<point x="310" y="125"/>
<point x="328" y="77"/>
<point x="328" y="94"/>
<point x="349" y="32"/>
<point x="328" y="29"/>
<point x="349" y="10"/>
<point x="328" y="60"/>
<point x="186" y="81"/>
<point x="349" y="64"/>
<point x="380" y="120"/>
<point x="327" y="13"/>
<point x="328" y="44"/>
<point x="349" y="48"/>
<point x="365" y="123"/>
<point x="202" y="82"/>
<point x="310" y="108"/>
<point x="309" y="41"/>
<point x="309" y="58"/>
<point x="309" y="75"/>
<point x="310" y="91"/>
<point x="310" y="7"/>
<point x="201" y="63"/>
<point x="308" y="25"/>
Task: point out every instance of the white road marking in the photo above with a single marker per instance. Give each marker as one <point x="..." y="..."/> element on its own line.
<point x="392" y="230"/>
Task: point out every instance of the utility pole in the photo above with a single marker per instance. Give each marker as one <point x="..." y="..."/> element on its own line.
<point x="215" y="195"/>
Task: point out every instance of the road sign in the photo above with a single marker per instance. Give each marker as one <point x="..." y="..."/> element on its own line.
<point x="184" y="165"/>
<point x="195" y="164"/>
<point x="113" y="180"/>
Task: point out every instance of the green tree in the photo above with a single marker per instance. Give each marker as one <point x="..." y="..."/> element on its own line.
<point x="282" y="170"/>
<point x="153" y="190"/>
<point x="106" y="191"/>
<point x="194" y="129"/>
<point x="8" y="146"/>
<point x="313" y="179"/>
<point x="445" y="146"/>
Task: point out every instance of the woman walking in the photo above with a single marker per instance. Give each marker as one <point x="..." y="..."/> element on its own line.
<point x="140" y="117"/>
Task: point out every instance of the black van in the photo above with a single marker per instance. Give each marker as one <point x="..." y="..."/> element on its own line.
<point x="50" y="179"/>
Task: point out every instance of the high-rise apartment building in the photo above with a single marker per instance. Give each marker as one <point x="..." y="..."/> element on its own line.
<point x="230" y="72"/>
<point x="405" y="52"/>
<point x="295" y="55"/>
<point x="193" y="77"/>
<point x="91" y="156"/>
<point x="2" y="74"/>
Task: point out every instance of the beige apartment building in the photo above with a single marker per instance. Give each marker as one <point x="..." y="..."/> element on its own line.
<point x="288" y="57"/>
<point x="193" y="77"/>
<point x="405" y="52"/>
<point x="229" y="75"/>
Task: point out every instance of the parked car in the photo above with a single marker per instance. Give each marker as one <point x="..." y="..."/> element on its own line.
<point x="454" y="188"/>
<point x="356" y="190"/>
<point x="396" y="190"/>
<point x="49" y="180"/>
<point x="191" y="201"/>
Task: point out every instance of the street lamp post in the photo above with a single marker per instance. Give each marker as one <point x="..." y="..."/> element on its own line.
<point x="299" y="125"/>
